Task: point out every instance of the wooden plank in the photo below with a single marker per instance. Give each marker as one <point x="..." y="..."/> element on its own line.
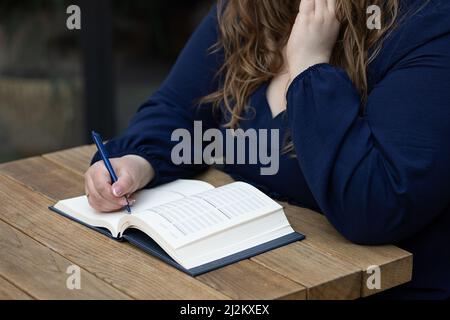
<point x="42" y="272"/>
<point x="326" y="278"/>
<point x="76" y="160"/>
<point x="8" y="291"/>
<point x="395" y="264"/>
<point x="45" y="177"/>
<point x="255" y="282"/>
<point x="53" y="175"/>
<point x="126" y="268"/>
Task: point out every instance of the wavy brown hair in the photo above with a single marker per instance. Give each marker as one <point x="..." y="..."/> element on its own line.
<point x="253" y="34"/>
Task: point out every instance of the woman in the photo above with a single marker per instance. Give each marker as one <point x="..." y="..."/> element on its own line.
<point x="364" y="116"/>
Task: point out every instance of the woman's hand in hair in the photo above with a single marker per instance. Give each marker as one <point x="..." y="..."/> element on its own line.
<point x="313" y="35"/>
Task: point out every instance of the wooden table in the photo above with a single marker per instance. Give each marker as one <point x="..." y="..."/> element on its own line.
<point x="37" y="246"/>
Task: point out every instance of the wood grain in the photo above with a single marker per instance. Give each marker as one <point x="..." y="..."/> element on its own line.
<point x="325" y="277"/>
<point x="8" y="291"/>
<point x="248" y="280"/>
<point x="126" y="268"/>
<point x="42" y="272"/>
<point x="76" y="160"/>
<point x="45" y="177"/>
<point x="46" y="182"/>
<point x="395" y="264"/>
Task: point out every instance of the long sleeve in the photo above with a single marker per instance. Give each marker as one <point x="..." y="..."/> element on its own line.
<point x="383" y="176"/>
<point x="174" y="106"/>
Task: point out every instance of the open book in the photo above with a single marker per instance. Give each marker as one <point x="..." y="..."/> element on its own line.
<point x="192" y="225"/>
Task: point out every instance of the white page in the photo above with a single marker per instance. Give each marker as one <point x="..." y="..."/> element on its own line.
<point x="239" y="238"/>
<point x="146" y="199"/>
<point x="184" y="218"/>
<point x="186" y="187"/>
<point x="80" y="209"/>
<point x="177" y="190"/>
<point x="190" y="219"/>
<point x="239" y="199"/>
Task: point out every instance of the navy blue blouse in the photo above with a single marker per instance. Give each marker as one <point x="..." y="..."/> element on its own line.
<point x="380" y="177"/>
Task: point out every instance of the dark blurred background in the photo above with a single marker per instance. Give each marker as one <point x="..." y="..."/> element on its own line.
<point x="57" y="84"/>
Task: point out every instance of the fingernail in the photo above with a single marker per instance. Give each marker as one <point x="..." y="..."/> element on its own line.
<point x="131" y="202"/>
<point x="117" y="191"/>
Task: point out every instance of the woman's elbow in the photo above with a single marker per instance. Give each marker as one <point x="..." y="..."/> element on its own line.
<point x="367" y="236"/>
<point x="374" y="227"/>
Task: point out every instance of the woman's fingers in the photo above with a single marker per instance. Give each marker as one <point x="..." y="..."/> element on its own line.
<point x="320" y="9"/>
<point x="104" y="188"/>
<point x="313" y="36"/>
<point x="124" y="186"/>
<point x="307" y="7"/>
<point x="97" y="201"/>
<point x="99" y="190"/>
<point x="331" y="4"/>
<point x="133" y="173"/>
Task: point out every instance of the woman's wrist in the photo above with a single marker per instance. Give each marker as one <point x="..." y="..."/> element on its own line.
<point x="295" y="71"/>
<point x="144" y="171"/>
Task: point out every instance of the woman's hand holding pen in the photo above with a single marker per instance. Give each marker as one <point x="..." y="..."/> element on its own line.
<point x="313" y="35"/>
<point x="133" y="172"/>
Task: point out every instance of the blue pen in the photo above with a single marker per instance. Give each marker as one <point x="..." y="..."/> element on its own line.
<point x="104" y="154"/>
